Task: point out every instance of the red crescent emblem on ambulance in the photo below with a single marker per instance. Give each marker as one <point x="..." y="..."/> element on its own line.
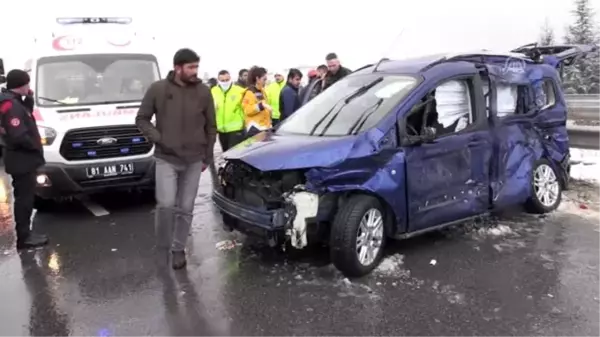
<point x="15" y="122"/>
<point x="66" y="42"/>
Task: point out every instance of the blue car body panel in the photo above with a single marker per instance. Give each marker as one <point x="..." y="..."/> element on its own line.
<point x="448" y="179"/>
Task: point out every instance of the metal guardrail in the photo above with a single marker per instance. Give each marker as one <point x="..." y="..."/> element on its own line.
<point x="584" y="108"/>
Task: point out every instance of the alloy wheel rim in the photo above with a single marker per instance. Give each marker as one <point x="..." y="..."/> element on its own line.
<point x="369" y="237"/>
<point x="546" y="185"/>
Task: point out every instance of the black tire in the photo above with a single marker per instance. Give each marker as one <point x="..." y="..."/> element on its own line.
<point x="534" y="204"/>
<point x="344" y="233"/>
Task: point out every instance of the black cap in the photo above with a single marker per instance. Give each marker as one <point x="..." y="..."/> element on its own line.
<point x="16" y="78"/>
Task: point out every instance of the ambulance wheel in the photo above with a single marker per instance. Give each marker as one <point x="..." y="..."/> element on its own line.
<point x="546" y="188"/>
<point x="358" y="236"/>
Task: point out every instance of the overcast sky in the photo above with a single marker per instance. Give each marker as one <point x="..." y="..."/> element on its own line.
<point x="280" y="34"/>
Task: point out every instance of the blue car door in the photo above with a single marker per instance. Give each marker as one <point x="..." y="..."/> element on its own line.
<point x="530" y="116"/>
<point x="447" y="176"/>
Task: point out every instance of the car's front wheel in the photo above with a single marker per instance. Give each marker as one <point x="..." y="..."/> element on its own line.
<point x="546" y="193"/>
<point x="358" y="236"/>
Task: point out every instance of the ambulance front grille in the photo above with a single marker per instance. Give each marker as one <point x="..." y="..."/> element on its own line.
<point x="104" y="142"/>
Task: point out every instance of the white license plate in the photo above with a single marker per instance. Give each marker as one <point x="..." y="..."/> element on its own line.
<point x="109" y="170"/>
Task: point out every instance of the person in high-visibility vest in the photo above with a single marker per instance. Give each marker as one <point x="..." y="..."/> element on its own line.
<point x="273" y="91"/>
<point x="254" y="103"/>
<point x="228" y="109"/>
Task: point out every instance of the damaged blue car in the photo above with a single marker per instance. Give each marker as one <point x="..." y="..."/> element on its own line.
<point x="400" y="148"/>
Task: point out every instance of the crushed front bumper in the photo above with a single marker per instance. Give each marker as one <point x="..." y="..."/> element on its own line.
<point x="268" y="224"/>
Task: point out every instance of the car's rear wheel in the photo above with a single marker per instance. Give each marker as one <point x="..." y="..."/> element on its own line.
<point x="546" y="188"/>
<point x="358" y="236"/>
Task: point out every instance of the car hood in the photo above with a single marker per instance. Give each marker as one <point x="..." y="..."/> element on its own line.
<point x="269" y="152"/>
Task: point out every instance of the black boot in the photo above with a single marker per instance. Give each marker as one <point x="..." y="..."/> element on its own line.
<point x="32" y="241"/>
<point x="178" y="260"/>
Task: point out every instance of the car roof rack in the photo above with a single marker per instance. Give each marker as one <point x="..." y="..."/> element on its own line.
<point x="363" y="67"/>
<point x="385" y="59"/>
<point x="481" y="53"/>
<point x="536" y="52"/>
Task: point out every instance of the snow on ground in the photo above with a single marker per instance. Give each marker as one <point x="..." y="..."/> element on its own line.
<point x="499" y="230"/>
<point x="585" y="164"/>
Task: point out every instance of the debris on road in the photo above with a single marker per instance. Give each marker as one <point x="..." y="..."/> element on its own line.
<point x="499" y="230"/>
<point x="433" y="262"/>
<point x="227" y="244"/>
<point x="113" y="250"/>
<point x="390" y="264"/>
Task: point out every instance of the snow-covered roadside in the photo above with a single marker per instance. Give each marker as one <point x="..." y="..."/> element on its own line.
<point x="585" y="165"/>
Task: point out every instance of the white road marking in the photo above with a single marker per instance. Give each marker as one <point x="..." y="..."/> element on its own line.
<point x="94" y="207"/>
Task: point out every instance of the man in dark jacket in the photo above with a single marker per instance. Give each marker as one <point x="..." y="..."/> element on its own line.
<point x="289" y="99"/>
<point x="335" y="70"/>
<point x="184" y="136"/>
<point x="242" y="80"/>
<point x="23" y="153"/>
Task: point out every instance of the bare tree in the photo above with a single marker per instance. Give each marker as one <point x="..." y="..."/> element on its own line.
<point x="547" y="34"/>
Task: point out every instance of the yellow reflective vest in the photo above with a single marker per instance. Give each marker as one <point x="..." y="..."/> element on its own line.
<point x="228" y="108"/>
<point x="273" y="92"/>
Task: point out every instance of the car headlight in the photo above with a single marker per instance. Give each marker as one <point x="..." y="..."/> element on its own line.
<point x="48" y="135"/>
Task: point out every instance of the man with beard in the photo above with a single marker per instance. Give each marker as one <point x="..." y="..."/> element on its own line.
<point x="242" y="78"/>
<point x="184" y="136"/>
<point x="335" y="70"/>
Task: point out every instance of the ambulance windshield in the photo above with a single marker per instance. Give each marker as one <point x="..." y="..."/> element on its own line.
<point x="94" y="79"/>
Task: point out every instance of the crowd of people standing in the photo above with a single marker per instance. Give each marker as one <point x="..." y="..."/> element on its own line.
<point x="251" y="105"/>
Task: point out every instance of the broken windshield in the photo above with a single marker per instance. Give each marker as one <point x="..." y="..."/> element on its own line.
<point x="331" y="113"/>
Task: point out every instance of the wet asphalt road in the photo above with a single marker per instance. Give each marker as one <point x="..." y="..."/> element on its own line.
<point x="526" y="276"/>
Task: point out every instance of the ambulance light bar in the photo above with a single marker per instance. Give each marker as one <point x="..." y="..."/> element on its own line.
<point x="94" y="20"/>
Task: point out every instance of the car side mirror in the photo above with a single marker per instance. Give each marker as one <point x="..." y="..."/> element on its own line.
<point x="2" y="79"/>
<point x="2" y="67"/>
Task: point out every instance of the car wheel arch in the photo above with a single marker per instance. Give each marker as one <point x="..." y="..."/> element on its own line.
<point x="391" y="226"/>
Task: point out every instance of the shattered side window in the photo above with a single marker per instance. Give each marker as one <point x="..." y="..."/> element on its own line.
<point x="549" y="94"/>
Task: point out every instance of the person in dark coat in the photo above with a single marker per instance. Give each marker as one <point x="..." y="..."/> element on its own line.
<point x="24" y="153"/>
<point x="212" y="82"/>
<point x="289" y="98"/>
<point x="335" y="70"/>
<point x="242" y="80"/>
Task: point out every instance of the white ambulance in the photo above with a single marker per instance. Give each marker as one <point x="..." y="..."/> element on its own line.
<point x="89" y="81"/>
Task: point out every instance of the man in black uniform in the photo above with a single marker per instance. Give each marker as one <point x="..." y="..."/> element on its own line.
<point x="23" y="153"/>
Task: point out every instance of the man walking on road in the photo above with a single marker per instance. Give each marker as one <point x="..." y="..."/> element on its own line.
<point x="24" y="153"/>
<point x="184" y="136"/>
